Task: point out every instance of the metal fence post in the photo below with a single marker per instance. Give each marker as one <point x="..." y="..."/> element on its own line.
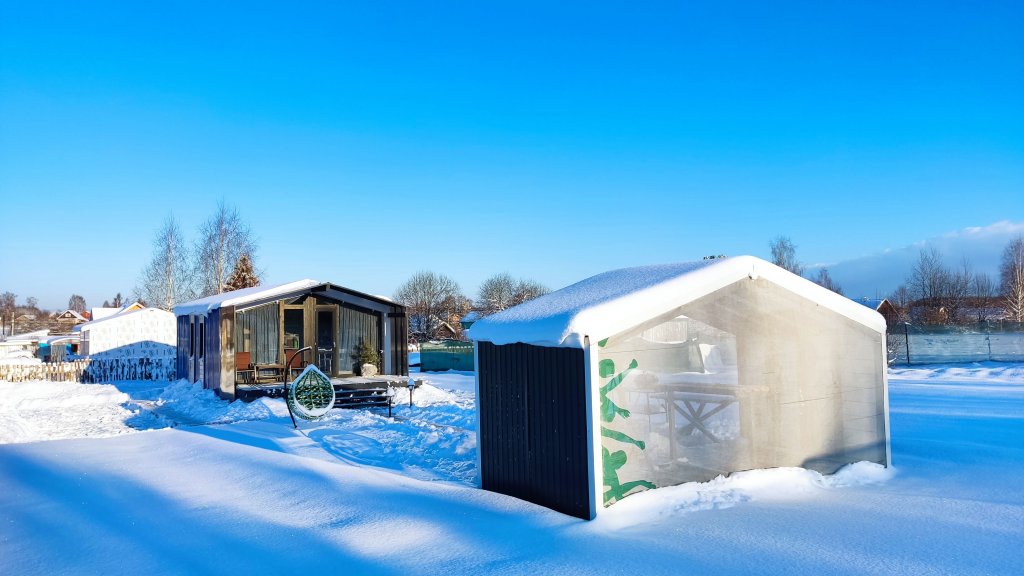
<point x="906" y="339"/>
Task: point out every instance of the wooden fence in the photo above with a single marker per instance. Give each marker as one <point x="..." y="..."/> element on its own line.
<point x="52" y="371"/>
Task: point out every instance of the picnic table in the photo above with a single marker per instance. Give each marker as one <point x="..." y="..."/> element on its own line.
<point x="697" y="397"/>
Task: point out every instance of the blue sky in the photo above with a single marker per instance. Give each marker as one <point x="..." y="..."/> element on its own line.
<point x="366" y="141"/>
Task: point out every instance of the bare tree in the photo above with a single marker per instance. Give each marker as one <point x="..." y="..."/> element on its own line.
<point x="166" y="280"/>
<point x="243" y="276"/>
<point x="429" y="298"/>
<point x="928" y="277"/>
<point x="528" y="290"/>
<point x="983" y="292"/>
<point x="222" y="241"/>
<point x="7" y="308"/>
<point x="784" y="255"/>
<point x="496" y="294"/>
<point x="940" y="294"/>
<point x="1011" y="279"/>
<point x="957" y="291"/>
<point x="900" y="300"/>
<point x="824" y="279"/>
<point x="452" y="309"/>
<point x="982" y="286"/>
<point x="501" y="291"/>
<point x="76" y="303"/>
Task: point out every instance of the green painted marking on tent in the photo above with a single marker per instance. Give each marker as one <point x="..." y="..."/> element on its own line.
<point x="612" y="461"/>
<point x="608" y="408"/>
<point x="616" y="435"/>
<point x="616" y="490"/>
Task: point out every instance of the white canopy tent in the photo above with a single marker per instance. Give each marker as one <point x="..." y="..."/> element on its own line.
<point x="690" y="371"/>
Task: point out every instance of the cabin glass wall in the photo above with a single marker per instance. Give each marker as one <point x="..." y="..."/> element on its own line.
<point x="750" y="376"/>
<point x="256" y="332"/>
<point x="356" y="326"/>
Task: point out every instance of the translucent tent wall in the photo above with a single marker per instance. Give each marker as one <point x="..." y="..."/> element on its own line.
<point x="749" y="376"/>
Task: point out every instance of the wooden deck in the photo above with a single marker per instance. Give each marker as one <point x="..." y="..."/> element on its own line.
<point x="249" y="392"/>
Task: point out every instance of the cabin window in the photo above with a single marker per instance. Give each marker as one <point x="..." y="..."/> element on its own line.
<point x="202" y="339"/>
<point x="256" y="332"/>
<point x="294" y="329"/>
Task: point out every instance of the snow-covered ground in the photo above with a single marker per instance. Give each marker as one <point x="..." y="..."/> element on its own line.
<point x="136" y="477"/>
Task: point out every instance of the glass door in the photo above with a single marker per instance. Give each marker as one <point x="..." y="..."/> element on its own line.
<point x="325" y="341"/>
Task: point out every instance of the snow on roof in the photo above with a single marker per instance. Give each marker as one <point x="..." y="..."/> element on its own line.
<point x="73" y="313"/>
<point x="99" y="313"/>
<point x="51" y="340"/>
<point x="615" y="301"/>
<point x="119" y="317"/>
<point x="27" y="337"/>
<point x="243" y="296"/>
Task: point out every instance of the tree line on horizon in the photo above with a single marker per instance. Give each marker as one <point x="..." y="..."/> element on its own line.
<point x="934" y="293"/>
<point x="219" y="259"/>
<point x="436" y="305"/>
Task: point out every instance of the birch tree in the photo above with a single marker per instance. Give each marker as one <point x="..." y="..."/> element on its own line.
<point x="166" y="280"/>
<point x="1011" y="279"/>
<point x="784" y="255"/>
<point x="824" y="279"/>
<point x="222" y="241"/>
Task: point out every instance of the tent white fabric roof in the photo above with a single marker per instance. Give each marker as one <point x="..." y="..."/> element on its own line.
<point x="615" y="301"/>
<point x="240" y="297"/>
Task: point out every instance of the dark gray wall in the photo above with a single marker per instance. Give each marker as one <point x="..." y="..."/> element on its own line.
<point x="399" y="330"/>
<point x="532" y="406"/>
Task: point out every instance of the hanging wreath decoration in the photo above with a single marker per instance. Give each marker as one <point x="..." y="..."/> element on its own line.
<point x="311" y="395"/>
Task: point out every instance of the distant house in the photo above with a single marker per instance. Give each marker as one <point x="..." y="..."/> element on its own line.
<point x="245" y="340"/>
<point x="446" y="331"/>
<point x="69" y="319"/>
<point x="99" y="313"/>
<point x="883" y="307"/>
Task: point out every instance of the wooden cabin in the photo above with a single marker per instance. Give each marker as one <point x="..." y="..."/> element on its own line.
<point x="246" y="341"/>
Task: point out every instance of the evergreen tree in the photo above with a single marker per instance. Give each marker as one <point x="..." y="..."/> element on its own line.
<point x="364" y="354"/>
<point x="243" y="276"/>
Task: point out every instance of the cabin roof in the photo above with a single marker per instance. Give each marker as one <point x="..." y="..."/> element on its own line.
<point x="256" y="294"/>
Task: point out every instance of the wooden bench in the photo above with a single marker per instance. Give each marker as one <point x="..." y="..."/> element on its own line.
<point x="363" y="398"/>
